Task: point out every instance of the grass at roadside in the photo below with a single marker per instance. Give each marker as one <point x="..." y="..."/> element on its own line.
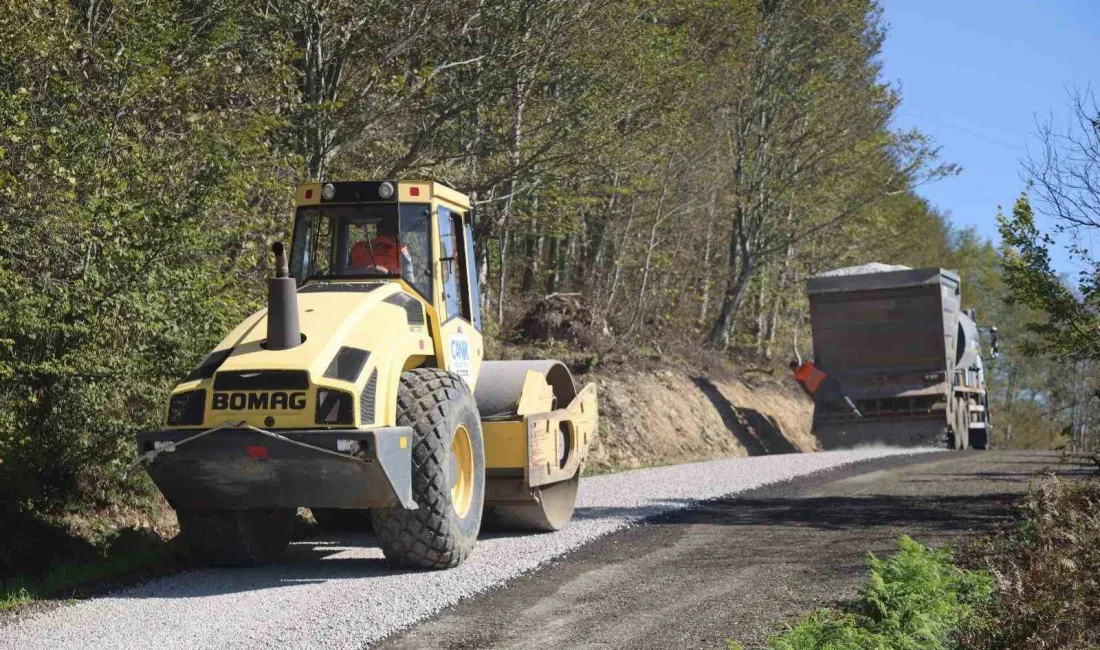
<point x="1034" y="585"/>
<point x="1047" y="570"/>
<point x="914" y="600"/>
<point x="61" y="557"/>
<point x="89" y="564"/>
<point x="70" y="579"/>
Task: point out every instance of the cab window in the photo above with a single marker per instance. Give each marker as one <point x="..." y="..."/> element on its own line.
<point x="364" y="241"/>
<point x="452" y="262"/>
<point x="475" y="292"/>
<point x="416" y="241"/>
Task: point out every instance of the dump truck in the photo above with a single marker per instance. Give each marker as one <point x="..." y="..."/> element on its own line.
<point x="897" y="346"/>
<point x="361" y="389"/>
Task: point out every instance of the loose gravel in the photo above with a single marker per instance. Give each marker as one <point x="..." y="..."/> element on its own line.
<point x="339" y="593"/>
<point x="863" y="269"/>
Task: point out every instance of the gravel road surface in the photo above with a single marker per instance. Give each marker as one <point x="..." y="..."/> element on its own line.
<point x="339" y="593"/>
<point x="734" y="567"/>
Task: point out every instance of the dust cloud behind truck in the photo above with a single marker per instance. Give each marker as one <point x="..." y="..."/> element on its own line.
<point x="895" y="341"/>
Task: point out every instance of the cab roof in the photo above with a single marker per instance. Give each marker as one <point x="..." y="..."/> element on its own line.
<point x="410" y="191"/>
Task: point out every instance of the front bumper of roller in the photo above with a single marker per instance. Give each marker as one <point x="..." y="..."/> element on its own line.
<point x="237" y="466"/>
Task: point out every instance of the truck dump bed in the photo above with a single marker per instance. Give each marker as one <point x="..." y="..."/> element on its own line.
<point x="888" y="337"/>
<point x="886" y="322"/>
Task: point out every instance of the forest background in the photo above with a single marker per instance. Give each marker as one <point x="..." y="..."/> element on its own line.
<point x="677" y="168"/>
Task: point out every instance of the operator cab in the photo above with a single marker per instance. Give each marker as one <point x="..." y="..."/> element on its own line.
<point x="389" y="230"/>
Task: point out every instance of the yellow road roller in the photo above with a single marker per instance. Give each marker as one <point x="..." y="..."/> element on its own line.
<point x="361" y="391"/>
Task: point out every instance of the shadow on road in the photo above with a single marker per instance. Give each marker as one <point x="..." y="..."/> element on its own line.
<point x="788" y="506"/>
<point x="1002" y="477"/>
<point x="343" y="556"/>
<point x="831" y="513"/>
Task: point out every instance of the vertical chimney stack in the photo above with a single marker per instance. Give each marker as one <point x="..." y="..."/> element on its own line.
<point x="283" y="330"/>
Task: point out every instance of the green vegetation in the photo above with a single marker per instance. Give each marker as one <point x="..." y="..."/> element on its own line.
<point x="74" y="577"/>
<point x="916" y="600"/>
<point x="1063" y="189"/>
<point x="1034" y="585"/>
<point x="134" y="195"/>
<point x="1047" y="571"/>
<point x="68" y="565"/>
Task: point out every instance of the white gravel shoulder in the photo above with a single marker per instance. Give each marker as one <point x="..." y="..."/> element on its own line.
<point x="334" y="593"/>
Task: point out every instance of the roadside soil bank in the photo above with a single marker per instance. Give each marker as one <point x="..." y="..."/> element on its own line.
<point x="667" y="413"/>
<point x="658" y="407"/>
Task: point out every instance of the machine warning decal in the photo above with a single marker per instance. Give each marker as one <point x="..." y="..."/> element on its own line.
<point x="460" y="356"/>
<point x="274" y="401"/>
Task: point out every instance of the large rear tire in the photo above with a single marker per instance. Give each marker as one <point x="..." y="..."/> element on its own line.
<point x="236" y="537"/>
<point x="551" y="513"/>
<point x="448" y="474"/>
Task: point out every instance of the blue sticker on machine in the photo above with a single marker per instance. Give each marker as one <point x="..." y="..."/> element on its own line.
<point x="460" y="356"/>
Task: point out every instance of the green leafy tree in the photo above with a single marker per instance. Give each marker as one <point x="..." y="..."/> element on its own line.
<point x="136" y="199"/>
<point x="1071" y="326"/>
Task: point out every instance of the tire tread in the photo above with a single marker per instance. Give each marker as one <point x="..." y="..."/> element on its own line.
<point x="426" y="537"/>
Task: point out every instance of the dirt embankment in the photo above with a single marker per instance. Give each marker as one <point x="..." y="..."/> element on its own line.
<point x="664" y="415"/>
<point x="658" y="408"/>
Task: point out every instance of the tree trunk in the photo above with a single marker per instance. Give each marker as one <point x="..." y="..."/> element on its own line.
<point x="531" y="261"/>
<point x="761" y="312"/>
<point x="741" y="270"/>
<point x="659" y="218"/>
<point x="552" y="265"/>
<point x="712" y="211"/>
<point x="503" y="275"/>
<point x="619" y="256"/>
<point x="598" y="243"/>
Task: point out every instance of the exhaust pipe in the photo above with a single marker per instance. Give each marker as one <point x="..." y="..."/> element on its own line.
<point x="283" y="331"/>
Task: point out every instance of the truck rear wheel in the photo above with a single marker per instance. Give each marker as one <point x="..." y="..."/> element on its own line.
<point x="236" y="537"/>
<point x="448" y="474"/>
<point x="962" y="423"/>
<point x="979" y="438"/>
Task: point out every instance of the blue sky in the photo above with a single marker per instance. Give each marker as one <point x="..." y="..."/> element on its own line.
<point x="975" y="75"/>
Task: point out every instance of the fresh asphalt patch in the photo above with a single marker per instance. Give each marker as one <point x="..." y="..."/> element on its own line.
<point x="734" y="567"/>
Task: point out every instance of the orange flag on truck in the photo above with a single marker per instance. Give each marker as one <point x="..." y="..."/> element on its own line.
<point x="809" y="376"/>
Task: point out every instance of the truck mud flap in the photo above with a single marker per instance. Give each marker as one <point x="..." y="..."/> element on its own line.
<point x="893" y="432"/>
<point x="234" y="468"/>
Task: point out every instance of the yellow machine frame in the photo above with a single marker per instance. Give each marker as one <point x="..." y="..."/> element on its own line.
<point x="525" y="444"/>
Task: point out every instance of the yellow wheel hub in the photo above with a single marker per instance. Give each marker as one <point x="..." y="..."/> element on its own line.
<point x="462" y="472"/>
